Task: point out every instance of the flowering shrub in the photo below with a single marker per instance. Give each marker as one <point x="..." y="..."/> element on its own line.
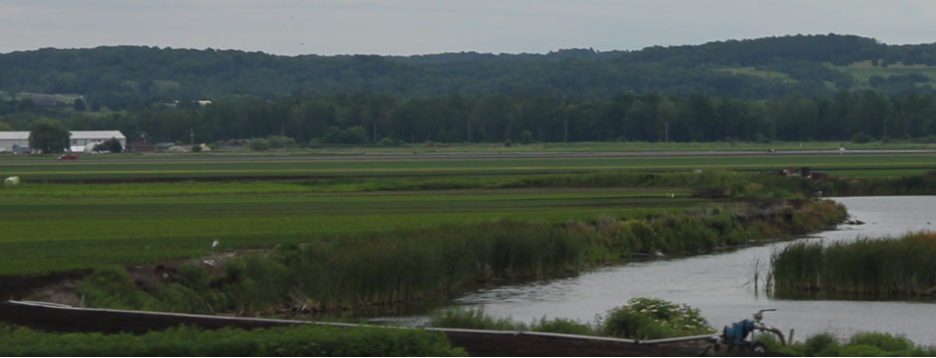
<point x="652" y="318"/>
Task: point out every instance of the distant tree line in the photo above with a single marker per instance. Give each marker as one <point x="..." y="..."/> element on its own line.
<point x="363" y="118"/>
<point x="135" y="77"/>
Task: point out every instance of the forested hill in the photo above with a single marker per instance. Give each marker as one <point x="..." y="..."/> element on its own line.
<point x="134" y="77"/>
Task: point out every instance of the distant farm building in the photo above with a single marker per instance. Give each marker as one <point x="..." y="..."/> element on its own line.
<point x="84" y="141"/>
<point x="13" y="141"/>
<point x="81" y="141"/>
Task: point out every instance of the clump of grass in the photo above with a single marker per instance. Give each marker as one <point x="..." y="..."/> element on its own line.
<point x="473" y="318"/>
<point x="566" y="326"/>
<point x="880" y="267"/>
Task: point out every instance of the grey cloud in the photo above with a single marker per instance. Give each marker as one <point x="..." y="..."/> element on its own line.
<point x="431" y="26"/>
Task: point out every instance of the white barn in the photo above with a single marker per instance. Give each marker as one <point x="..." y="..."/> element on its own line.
<point x="9" y="140"/>
<point x="81" y="141"/>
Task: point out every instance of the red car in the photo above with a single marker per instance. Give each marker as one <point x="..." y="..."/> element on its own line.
<point x="68" y="157"/>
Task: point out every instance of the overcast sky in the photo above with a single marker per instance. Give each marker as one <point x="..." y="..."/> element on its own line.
<point x="406" y="27"/>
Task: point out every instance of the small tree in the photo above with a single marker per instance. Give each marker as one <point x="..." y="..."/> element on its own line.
<point x="111" y="145"/>
<point x="49" y="136"/>
<point x="79" y="105"/>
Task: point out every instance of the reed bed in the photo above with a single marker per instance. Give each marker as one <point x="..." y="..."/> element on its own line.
<point x="640" y="318"/>
<point x="878" y="267"/>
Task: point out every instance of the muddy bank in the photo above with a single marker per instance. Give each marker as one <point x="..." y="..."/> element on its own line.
<point x="20" y="287"/>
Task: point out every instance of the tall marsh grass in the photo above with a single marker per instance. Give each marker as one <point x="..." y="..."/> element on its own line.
<point x="880" y="267"/>
<point x="640" y="318"/>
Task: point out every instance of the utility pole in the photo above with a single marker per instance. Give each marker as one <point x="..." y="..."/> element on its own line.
<point x="666" y="133"/>
<point x="282" y="129"/>
<point x="469" y="132"/>
<point x="375" y="132"/>
<point x="192" y="136"/>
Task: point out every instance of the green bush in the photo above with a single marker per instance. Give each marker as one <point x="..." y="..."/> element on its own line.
<point x="259" y="144"/>
<point x="649" y="318"/>
<point x="294" y="341"/>
<point x="112" y="287"/>
<point x="823" y="344"/>
<point x="279" y="142"/>
<point x="862" y="138"/>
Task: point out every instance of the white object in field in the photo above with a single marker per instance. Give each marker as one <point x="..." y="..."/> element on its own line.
<point x="11" y="181"/>
<point x="215" y="244"/>
<point x="841" y="150"/>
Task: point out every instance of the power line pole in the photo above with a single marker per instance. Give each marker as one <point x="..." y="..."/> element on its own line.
<point x="375" y="132"/>
<point x="192" y="136"/>
<point x="666" y="133"/>
<point x="469" y="132"/>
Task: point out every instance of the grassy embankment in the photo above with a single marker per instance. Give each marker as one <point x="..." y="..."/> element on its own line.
<point x="853" y="165"/>
<point x="645" y="318"/>
<point x="303" y="341"/>
<point x="648" y="319"/>
<point x="877" y="267"/>
<point x="382" y="268"/>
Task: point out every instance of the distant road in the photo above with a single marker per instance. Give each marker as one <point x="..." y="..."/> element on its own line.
<point x="475" y="156"/>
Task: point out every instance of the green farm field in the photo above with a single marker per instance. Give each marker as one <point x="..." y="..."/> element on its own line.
<point x="878" y="164"/>
<point x="44" y="231"/>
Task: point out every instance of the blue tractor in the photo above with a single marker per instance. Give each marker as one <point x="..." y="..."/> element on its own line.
<point x="740" y="335"/>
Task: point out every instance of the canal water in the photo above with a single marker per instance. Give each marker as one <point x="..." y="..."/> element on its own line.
<point x="720" y="284"/>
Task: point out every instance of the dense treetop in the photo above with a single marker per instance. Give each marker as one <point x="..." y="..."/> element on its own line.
<point x="362" y="118"/>
<point x="136" y="76"/>
<point x="824" y="87"/>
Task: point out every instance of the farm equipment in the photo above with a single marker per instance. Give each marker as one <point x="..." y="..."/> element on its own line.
<point x="740" y="335"/>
